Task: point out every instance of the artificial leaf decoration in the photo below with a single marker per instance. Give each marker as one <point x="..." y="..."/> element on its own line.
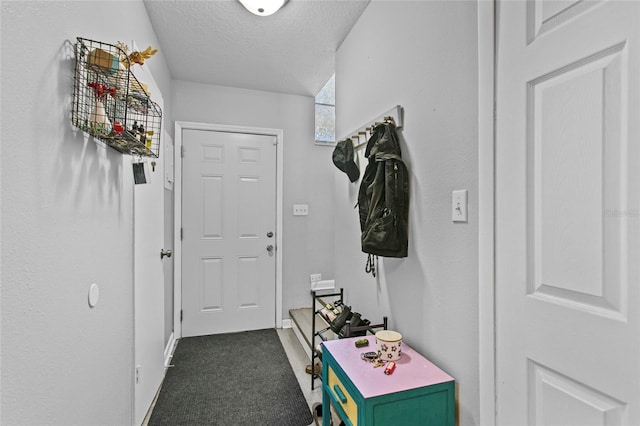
<point x="140" y="57"/>
<point x="134" y="57"/>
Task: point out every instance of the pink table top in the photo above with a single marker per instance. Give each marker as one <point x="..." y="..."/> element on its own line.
<point x="412" y="369"/>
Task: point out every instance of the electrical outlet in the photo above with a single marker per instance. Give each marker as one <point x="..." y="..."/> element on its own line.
<point x="301" y="209"/>
<point x="315" y="278"/>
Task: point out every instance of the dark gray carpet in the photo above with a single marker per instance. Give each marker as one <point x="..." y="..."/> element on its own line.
<point x="231" y="379"/>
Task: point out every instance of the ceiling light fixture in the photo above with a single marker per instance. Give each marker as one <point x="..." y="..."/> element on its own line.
<point x="263" y="7"/>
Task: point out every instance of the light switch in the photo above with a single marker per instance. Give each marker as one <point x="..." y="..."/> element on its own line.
<point x="459" y="206"/>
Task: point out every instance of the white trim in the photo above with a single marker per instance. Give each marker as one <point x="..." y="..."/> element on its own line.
<point x="286" y="323"/>
<point x="177" y="277"/>
<point x="168" y="350"/>
<point x="302" y="340"/>
<point x="486" y="231"/>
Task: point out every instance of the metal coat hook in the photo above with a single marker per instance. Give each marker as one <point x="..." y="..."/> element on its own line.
<point x="394" y="115"/>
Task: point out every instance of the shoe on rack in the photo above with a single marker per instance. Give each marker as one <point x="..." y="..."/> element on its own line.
<point x="317" y="369"/>
<point x="329" y="313"/>
<point x="337" y="324"/>
<point x="355" y="321"/>
<point x="363" y="323"/>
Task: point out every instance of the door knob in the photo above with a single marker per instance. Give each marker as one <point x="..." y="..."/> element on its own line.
<point x="164" y="253"/>
<point x="270" y="248"/>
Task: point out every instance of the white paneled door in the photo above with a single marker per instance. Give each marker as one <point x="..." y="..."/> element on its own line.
<point x="229" y="225"/>
<point x="148" y="241"/>
<point x="567" y="213"/>
<point x="149" y="288"/>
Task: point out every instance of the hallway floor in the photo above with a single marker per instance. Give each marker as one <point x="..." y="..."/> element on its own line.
<point x="298" y="360"/>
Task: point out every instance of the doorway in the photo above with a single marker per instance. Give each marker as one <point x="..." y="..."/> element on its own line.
<point x="246" y="300"/>
<point x="559" y="327"/>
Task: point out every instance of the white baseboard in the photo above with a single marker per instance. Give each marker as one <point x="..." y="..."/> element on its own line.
<point x="286" y="323"/>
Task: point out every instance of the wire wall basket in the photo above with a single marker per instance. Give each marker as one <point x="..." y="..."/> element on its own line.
<point x="111" y="104"/>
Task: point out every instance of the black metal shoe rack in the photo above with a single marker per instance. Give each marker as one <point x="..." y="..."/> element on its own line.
<point x="348" y="329"/>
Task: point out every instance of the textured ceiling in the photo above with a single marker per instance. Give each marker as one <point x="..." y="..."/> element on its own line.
<point x="220" y="42"/>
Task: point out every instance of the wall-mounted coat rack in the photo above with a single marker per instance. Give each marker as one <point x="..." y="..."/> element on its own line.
<point x="362" y="134"/>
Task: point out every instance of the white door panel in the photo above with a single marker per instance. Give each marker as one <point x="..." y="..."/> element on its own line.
<point x="149" y="290"/>
<point x="229" y="220"/>
<point x="567" y="231"/>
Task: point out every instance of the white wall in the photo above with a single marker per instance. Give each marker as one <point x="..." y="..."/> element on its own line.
<point x="421" y="55"/>
<point x="307" y="240"/>
<point x="66" y="223"/>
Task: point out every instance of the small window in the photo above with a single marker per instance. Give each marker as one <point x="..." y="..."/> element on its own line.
<point x="326" y="113"/>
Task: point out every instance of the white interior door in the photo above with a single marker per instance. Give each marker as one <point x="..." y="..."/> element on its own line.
<point x="148" y="274"/>
<point x="229" y="224"/>
<point x="567" y="221"/>
<point x="149" y="291"/>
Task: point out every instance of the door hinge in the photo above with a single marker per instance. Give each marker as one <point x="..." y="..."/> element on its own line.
<point x="181" y="311"/>
<point x="181" y="233"/>
<point x="182" y="151"/>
